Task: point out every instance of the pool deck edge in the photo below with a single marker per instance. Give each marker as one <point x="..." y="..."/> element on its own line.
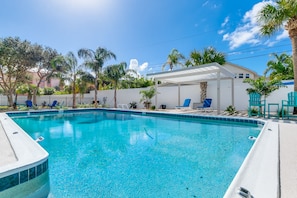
<point x="287" y="155"/>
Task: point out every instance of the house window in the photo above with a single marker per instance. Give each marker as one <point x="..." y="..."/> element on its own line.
<point x="247" y="75"/>
<point x="240" y="75"/>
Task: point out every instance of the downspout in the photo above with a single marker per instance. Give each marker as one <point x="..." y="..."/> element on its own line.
<point x="218" y="93"/>
<point x="178" y="97"/>
<point x="156" y="98"/>
<point x="232" y="91"/>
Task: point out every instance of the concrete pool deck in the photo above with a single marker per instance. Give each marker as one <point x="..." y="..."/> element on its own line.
<point x="287" y="154"/>
<point x="288" y="159"/>
<point x="7" y="155"/>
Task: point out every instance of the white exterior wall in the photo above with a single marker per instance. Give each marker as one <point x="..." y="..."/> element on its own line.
<point x="239" y="70"/>
<point x="169" y="96"/>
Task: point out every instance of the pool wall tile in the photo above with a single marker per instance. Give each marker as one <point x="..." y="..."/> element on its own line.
<point x="160" y="114"/>
<point x="9" y="181"/>
<point x="23" y="176"/>
<point x="32" y="173"/>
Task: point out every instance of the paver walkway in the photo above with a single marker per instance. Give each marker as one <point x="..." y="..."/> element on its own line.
<point x="288" y="160"/>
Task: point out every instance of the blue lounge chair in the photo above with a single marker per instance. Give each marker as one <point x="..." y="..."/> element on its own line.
<point x="185" y="105"/>
<point x="290" y="103"/>
<point x="206" y="104"/>
<point x="54" y="104"/>
<point x="29" y="103"/>
<point x="255" y="101"/>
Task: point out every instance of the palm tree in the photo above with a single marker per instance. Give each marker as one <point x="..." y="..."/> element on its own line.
<point x="173" y="59"/>
<point x="262" y="86"/>
<point x="272" y="17"/>
<point x="208" y="55"/>
<point x="147" y="95"/>
<point x="83" y="83"/>
<point x="115" y="73"/>
<point x="73" y="70"/>
<point x="95" y="61"/>
<point x="281" y="68"/>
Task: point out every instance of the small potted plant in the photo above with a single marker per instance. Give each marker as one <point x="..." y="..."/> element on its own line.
<point x="43" y="104"/>
<point x="133" y="105"/>
<point x="147" y="95"/>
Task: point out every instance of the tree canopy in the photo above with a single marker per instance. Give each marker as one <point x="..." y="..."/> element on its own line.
<point x="276" y="15"/>
<point x="16" y="57"/>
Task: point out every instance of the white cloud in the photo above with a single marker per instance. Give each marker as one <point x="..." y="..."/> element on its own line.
<point x="221" y="31"/>
<point x="225" y="21"/>
<point x="143" y="66"/>
<point x="133" y="64"/>
<point x="249" y="31"/>
<point x="283" y="35"/>
<point x="205" y="3"/>
<point x="242" y="35"/>
<point x="138" y="68"/>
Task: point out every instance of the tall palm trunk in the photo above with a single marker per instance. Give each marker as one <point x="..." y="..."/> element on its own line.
<point x="96" y="91"/>
<point x="73" y="92"/>
<point x="115" y="98"/>
<point x="293" y="37"/>
<point x="203" y="91"/>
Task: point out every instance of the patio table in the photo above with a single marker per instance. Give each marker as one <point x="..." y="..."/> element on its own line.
<point x="277" y="110"/>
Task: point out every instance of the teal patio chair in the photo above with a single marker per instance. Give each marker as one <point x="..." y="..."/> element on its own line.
<point x="286" y="104"/>
<point x="255" y="101"/>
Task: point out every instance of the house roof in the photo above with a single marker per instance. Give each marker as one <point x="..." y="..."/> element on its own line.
<point x="193" y="75"/>
<point x="242" y="68"/>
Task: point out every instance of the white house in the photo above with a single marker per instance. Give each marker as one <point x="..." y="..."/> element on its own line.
<point x="240" y="72"/>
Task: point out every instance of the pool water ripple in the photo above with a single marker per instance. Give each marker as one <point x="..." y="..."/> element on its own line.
<point x="112" y="154"/>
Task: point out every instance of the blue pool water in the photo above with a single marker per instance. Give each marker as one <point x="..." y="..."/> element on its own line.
<point x="114" y="154"/>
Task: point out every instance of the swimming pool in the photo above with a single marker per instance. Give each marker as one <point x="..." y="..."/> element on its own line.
<point x="123" y="154"/>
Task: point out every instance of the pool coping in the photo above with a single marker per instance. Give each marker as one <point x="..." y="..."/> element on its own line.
<point x="258" y="175"/>
<point x="242" y="178"/>
<point x="23" y="155"/>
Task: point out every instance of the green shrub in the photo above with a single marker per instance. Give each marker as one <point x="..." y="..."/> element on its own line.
<point x="231" y="110"/>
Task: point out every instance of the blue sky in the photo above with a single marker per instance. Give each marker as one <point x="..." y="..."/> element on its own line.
<point x="145" y="31"/>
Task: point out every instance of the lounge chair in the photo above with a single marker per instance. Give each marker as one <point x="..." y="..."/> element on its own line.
<point x="255" y="101"/>
<point x="206" y="105"/>
<point x="290" y="103"/>
<point x="123" y="106"/>
<point x="29" y="103"/>
<point x="185" y="105"/>
<point x="54" y="104"/>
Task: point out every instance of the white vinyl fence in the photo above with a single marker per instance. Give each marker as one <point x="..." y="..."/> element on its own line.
<point x="167" y="96"/>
